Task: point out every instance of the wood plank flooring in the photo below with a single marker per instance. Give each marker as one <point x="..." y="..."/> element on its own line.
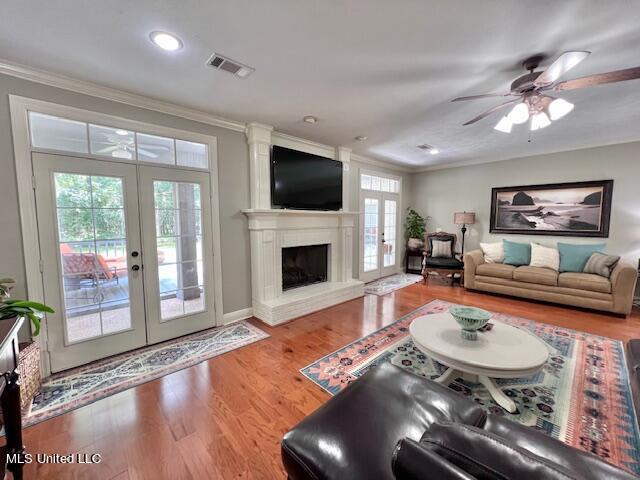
<point x="224" y="418"/>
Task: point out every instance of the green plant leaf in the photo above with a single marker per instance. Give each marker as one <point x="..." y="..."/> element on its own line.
<point x="36" y="324"/>
<point x="41" y="307"/>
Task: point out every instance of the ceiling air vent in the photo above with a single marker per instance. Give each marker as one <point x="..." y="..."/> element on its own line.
<point x="425" y="146"/>
<point x="230" y="66"/>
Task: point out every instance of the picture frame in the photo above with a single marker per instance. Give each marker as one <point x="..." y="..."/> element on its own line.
<point x="576" y="209"/>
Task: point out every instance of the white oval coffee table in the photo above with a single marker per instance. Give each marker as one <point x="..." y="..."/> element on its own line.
<point x="502" y="352"/>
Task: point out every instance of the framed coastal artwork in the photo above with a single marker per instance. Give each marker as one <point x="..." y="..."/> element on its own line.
<point x="579" y="209"/>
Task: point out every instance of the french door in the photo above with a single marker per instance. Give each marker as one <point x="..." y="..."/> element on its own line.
<point x="379" y="232"/>
<point x="122" y="255"/>
<point x="178" y="282"/>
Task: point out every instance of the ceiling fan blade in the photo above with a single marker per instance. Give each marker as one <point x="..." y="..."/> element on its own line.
<point x="156" y="147"/>
<point x="108" y="149"/>
<point x="492" y="110"/>
<point x="147" y="153"/>
<point x="486" y="95"/>
<point x="599" y="79"/>
<point x="562" y="65"/>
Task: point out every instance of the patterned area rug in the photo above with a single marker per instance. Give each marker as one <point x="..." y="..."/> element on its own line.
<point x="389" y="284"/>
<point x="84" y="385"/>
<point x="582" y="396"/>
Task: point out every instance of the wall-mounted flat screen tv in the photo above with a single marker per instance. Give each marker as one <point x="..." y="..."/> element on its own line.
<point x="305" y="181"/>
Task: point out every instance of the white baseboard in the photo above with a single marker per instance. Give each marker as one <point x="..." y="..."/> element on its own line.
<point x="238" y="315"/>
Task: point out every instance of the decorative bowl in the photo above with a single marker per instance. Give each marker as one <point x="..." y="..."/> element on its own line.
<point x="470" y="319"/>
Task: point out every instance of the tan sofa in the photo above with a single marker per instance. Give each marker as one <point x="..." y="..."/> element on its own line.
<point x="578" y="289"/>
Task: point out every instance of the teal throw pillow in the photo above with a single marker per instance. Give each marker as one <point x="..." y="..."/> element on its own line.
<point x="516" y="253"/>
<point x="573" y="258"/>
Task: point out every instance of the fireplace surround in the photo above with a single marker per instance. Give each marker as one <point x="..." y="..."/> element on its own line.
<point x="272" y="231"/>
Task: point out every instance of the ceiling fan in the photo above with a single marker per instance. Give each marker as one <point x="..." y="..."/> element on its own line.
<point x="532" y="102"/>
<point x="122" y="145"/>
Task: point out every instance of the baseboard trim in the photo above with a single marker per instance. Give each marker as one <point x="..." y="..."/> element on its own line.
<point x="238" y="315"/>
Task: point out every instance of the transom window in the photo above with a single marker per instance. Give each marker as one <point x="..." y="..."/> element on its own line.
<point x="56" y="133"/>
<point x="379" y="183"/>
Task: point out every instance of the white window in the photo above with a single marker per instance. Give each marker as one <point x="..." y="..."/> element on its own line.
<point x="50" y="132"/>
<point x="379" y="183"/>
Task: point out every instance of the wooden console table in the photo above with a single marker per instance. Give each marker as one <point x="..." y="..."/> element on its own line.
<point x="13" y="450"/>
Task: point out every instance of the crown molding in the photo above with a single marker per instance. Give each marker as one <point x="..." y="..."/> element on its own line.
<point x="382" y="164"/>
<point x="484" y="161"/>
<point x="95" y="90"/>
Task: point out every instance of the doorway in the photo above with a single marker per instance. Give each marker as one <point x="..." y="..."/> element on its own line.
<point x="122" y="251"/>
<point x="379" y="207"/>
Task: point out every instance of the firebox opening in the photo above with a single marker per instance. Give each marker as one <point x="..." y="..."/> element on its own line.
<point x="304" y="265"/>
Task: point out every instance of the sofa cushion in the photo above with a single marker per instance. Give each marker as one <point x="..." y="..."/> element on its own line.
<point x="573" y="258"/>
<point x="545" y="257"/>
<point x="452" y="263"/>
<point x="485" y="455"/>
<point x="601" y="264"/>
<point x="354" y="433"/>
<point x="516" y="253"/>
<point x="442" y="248"/>
<point x="500" y="270"/>
<point x="585" y="281"/>
<point x="493" y="252"/>
<point x="544" y="276"/>
<point x="583" y="465"/>
<point x="415" y="461"/>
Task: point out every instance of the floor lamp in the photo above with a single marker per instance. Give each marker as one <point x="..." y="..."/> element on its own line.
<point x="464" y="219"/>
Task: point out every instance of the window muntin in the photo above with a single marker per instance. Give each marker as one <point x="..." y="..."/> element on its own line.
<point x="379" y="183"/>
<point x="61" y="134"/>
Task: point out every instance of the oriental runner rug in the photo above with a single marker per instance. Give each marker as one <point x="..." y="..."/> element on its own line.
<point x="81" y="386"/>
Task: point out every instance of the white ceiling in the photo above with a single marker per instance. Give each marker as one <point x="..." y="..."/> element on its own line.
<point x="380" y="68"/>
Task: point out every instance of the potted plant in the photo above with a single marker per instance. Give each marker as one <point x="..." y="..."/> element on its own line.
<point x="11" y="307"/>
<point x="415" y="227"/>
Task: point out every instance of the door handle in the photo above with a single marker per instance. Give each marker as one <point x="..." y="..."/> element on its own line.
<point x="135" y="268"/>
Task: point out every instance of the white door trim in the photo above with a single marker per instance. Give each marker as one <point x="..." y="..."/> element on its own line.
<point x="19" y="108"/>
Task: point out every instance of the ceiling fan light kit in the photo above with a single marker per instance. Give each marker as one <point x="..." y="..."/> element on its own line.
<point x="539" y="120"/>
<point x="519" y="114"/>
<point x="558" y="108"/>
<point x="504" y="125"/>
<point x="532" y="103"/>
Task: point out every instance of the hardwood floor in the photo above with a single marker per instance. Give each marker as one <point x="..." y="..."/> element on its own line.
<point x="224" y="418"/>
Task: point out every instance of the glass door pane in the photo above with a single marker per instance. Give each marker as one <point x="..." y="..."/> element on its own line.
<point x="89" y="231"/>
<point x="371" y="234"/>
<point x="389" y="246"/>
<point x="178" y="240"/>
<point x="178" y="220"/>
<point x="92" y="242"/>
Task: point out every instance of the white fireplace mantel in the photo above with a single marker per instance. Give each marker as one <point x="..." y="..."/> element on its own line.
<point x="271" y="230"/>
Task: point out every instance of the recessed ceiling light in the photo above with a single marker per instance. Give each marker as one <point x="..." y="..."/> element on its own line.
<point x="310" y="119"/>
<point x="360" y="138"/>
<point x="166" y="41"/>
<point x="434" y="151"/>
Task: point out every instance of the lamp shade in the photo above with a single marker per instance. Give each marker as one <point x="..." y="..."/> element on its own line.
<point x="464" y="218"/>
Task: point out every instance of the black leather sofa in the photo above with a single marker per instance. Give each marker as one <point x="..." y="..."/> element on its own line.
<point x="391" y="424"/>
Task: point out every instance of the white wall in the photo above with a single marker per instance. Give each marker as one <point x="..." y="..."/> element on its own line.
<point x="440" y="193"/>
